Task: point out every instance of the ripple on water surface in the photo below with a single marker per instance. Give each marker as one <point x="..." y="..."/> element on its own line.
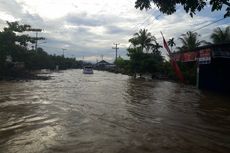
<point x="113" y="113"/>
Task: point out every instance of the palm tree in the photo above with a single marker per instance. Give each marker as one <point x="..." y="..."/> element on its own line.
<point x="144" y="39"/>
<point x="189" y="41"/>
<point x="134" y="41"/>
<point x="155" y="48"/>
<point x="221" y="36"/>
<point x="171" y="43"/>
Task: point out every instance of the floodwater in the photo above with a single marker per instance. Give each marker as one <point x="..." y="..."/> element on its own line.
<point x="111" y="113"/>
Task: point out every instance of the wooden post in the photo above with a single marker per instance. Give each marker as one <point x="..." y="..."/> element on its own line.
<point x="198" y="76"/>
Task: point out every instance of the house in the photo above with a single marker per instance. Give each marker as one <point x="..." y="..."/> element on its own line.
<point x="212" y="63"/>
<point x="103" y="64"/>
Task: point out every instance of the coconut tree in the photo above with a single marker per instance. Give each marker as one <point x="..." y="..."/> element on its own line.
<point x="155" y="48"/>
<point x="144" y="39"/>
<point x="171" y="43"/>
<point x="221" y="35"/>
<point x="189" y="41"/>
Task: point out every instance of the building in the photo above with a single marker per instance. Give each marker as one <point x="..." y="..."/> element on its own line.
<point x="103" y="65"/>
<point x="213" y="66"/>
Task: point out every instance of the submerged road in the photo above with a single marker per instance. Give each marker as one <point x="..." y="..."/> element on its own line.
<point x="111" y="113"/>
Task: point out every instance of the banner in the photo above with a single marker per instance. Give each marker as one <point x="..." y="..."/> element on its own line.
<point x="173" y="62"/>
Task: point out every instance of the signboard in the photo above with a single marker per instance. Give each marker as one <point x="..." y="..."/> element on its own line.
<point x="189" y="57"/>
<point x="204" y="56"/>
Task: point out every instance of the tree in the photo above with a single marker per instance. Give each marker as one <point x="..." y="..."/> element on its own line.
<point x="144" y="62"/>
<point x="13" y="43"/>
<point x="189" y="41"/>
<point x="136" y="56"/>
<point x="122" y="64"/>
<point x="155" y="48"/>
<point x="144" y="39"/>
<point x="221" y="35"/>
<point x="22" y="39"/>
<point x="190" y="6"/>
<point x="171" y="43"/>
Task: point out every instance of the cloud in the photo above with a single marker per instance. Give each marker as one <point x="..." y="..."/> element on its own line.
<point x="89" y="28"/>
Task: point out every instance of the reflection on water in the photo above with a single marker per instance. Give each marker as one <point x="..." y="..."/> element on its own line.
<point x="111" y="113"/>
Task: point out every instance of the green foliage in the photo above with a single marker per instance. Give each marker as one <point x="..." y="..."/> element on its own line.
<point x="189" y="72"/>
<point x="190" y="6"/>
<point x="21" y="39"/>
<point x="144" y="62"/>
<point x="121" y="63"/>
<point x="189" y="41"/>
<point x="15" y="46"/>
<point x="171" y="43"/>
<point x="144" y="39"/>
<point x="153" y="62"/>
<point x="16" y="27"/>
<point x="221" y="35"/>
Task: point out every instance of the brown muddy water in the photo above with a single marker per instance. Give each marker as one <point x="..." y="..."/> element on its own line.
<point x="111" y="113"/>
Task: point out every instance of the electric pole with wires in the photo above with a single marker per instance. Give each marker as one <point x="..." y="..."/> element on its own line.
<point x="63" y="52"/>
<point x="36" y="37"/>
<point x="116" y="48"/>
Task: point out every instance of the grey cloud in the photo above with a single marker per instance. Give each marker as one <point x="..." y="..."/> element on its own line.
<point x="83" y="41"/>
<point x="116" y="30"/>
<point x="83" y="20"/>
<point x="11" y="7"/>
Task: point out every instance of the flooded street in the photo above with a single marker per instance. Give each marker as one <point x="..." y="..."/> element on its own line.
<point x="111" y="113"/>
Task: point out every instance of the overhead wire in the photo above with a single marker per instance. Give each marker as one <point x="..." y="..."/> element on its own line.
<point x="209" y="24"/>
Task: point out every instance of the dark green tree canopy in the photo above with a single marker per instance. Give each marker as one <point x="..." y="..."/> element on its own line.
<point x="144" y="39"/>
<point x="221" y="35"/>
<point x="189" y="41"/>
<point x="13" y="34"/>
<point x="190" y="6"/>
<point x="13" y="43"/>
<point x="171" y="43"/>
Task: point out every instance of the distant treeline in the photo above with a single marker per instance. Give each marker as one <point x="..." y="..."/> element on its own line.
<point x="14" y="49"/>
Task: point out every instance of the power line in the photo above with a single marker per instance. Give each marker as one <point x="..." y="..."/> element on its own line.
<point x="209" y="24"/>
<point x="153" y="20"/>
<point x="139" y="24"/>
<point x="202" y="26"/>
<point x="142" y="23"/>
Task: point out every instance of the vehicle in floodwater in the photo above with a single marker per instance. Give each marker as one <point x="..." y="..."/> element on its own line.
<point x="88" y="70"/>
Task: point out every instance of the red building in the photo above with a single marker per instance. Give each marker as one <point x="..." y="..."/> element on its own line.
<point x="213" y="66"/>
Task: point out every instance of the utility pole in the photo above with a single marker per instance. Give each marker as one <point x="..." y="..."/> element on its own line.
<point x="116" y="48"/>
<point x="36" y="37"/>
<point x="36" y="41"/>
<point x="102" y="57"/>
<point x="63" y="52"/>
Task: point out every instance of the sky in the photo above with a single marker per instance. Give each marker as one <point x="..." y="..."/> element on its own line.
<point x="87" y="30"/>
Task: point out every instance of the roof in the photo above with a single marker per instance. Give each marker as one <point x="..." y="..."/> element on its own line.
<point x="211" y="46"/>
<point x="103" y="62"/>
